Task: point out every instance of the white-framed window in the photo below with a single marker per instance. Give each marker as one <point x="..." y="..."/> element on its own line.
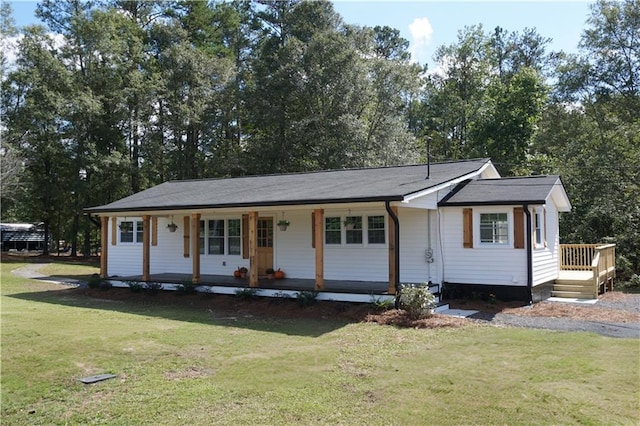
<point x="355" y="230"/>
<point x="220" y="236"/>
<point x="234" y="237"/>
<point x="539" y="227"/>
<point x="494" y="228"/>
<point x="130" y="231"/>
<point x="332" y="230"/>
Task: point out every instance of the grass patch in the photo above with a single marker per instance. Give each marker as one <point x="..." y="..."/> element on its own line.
<point x="178" y="365"/>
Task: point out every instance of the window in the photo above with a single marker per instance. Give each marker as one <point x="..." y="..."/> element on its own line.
<point x="375" y="230"/>
<point x="127" y="234"/>
<point x="354" y="229"/>
<point x="216" y="237"/>
<point x="332" y="230"/>
<point x="540" y="227"/>
<point x="202" y="236"/>
<point x="234" y="240"/>
<point x="494" y="228"/>
<point x="218" y="240"/>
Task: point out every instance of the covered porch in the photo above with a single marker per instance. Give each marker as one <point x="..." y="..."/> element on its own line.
<point x="586" y="270"/>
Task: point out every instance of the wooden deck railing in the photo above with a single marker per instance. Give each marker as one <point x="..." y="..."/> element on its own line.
<point x="600" y="259"/>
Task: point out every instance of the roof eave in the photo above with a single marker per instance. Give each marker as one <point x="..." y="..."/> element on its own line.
<point x="491" y="203"/>
<point x="100" y="209"/>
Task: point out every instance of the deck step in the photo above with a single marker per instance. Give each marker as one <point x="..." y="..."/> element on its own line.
<point x="573" y="287"/>
<point x="572" y="294"/>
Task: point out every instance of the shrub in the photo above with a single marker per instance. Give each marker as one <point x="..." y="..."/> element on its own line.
<point x="247" y="293"/>
<point x="306" y="298"/>
<point x="417" y="300"/>
<point x="94" y="281"/>
<point x="135" y="286"/>
<point x="187" y="287"/>
<point x="379" y="304"/>
<point x="152" y="287"/>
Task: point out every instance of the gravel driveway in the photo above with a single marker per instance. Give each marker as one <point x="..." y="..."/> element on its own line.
<point x="629" y="303"/>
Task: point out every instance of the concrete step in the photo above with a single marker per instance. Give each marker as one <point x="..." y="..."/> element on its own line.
<point x="573" y="294"/>
<point x="441" y="307"/>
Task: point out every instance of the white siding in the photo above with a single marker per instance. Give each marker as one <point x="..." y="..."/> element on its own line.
<point x="124" y="258"/>
<point x="546" y="264"/>
<point x="480" y="265"/>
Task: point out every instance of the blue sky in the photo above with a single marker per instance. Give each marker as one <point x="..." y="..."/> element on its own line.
<point x="429" y="24"/>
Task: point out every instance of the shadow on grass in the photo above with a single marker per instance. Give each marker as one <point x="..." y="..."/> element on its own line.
<point x="274" y="315"/>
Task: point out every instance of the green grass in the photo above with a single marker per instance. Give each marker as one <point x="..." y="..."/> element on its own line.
<point x="188" y="366"/>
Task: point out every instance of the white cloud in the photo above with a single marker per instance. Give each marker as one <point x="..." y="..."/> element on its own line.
<point x="421" y="31"/>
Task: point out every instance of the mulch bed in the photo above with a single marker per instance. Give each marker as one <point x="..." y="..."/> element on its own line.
<point x="226" y="305"/>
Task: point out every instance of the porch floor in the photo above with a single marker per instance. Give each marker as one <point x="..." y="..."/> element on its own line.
<point x="293" y="284"/>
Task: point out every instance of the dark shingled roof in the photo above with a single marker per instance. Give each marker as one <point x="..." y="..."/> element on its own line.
<point x="338" y="186"/>
<point x="503" y="191"/>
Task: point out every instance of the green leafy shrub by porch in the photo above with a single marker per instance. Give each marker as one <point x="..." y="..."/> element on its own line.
<point x="187" y="287"/>
<point x="417" y="300"/>
<point x="306" y="298"/>
<point x="152" y="287"/>
<point x="135" y="286"/>
<point x="380" y="304"/>
<point x="247" y="293"/>
<point x="94" y="281"/>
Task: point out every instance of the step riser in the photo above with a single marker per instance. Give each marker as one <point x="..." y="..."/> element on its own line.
<point x="572" y="294"/>
<point x="578" y="288"/>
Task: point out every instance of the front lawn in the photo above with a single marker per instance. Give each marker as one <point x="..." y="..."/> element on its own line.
<point x="186" y="365"/>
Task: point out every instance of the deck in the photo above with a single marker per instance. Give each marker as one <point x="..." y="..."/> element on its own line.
<point x="586" y="270"/>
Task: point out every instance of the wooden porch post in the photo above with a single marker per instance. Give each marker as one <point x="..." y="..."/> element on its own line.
<point x="104" y="243"/>
<point x="253" y="249"/>
<point x="393" y="279"/>
<point x="195" y="247"/>
<point x="318" y="229"/>
<point x="145" y="247"/>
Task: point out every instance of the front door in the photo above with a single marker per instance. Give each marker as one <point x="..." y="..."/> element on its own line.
<point x="265" y="244"/>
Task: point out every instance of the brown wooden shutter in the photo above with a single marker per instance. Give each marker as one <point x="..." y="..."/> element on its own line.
<point x="114" y="231"/>
<point x="518" y="228"/>
<point x="186" y="229"/>
<point x="245" y="236"/>
<point x="467" y="228"/>
<point x="313" y="229"/>
<point x="154" y="231"/>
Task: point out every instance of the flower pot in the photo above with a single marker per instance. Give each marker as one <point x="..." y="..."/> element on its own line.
<point x="283" y="227"/>
<point x="349" y="226"/>
<point x="269" y="276"/>
<point x="243" y="275"/>
<point x="172" y="227"/>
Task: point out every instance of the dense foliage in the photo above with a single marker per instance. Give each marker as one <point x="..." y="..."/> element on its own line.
<point x="116" y="96"/>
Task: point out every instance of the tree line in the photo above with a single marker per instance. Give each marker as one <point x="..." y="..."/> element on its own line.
<point x="115" y="96"/>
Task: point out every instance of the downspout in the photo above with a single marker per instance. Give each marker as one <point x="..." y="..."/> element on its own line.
<point x="527" y="213"/>
<point x="396" y="225"/>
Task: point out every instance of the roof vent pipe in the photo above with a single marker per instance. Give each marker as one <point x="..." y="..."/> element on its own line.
<point x="428" y="157"/>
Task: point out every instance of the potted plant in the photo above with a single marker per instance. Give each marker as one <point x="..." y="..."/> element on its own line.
<point x="241" y="272"/>
<point x="278" y="275"/>
<point x="172" y="227"/>
<point x="349" y="224"/>
<point x="270" y="273"/>
<point x="283" y="224"/>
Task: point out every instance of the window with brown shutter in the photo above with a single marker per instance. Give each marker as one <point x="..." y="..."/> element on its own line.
<point x="518" y="228"/>
<point x="467" y="228"/>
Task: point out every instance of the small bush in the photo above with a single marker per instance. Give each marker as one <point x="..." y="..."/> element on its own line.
<point x="152" y="287"/>
<point x="105" y="285"/>
<point x="94" y="281"/>
<point x="379" y="304"/>
<point x="187" y="287"/>
<point x="135" y="286"/>
<point x="417" y="300"/>
<point x="306" y="298"/>
<point x="247" y="293"/>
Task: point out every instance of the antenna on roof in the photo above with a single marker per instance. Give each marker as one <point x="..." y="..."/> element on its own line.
<point x="428" y="157"/>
